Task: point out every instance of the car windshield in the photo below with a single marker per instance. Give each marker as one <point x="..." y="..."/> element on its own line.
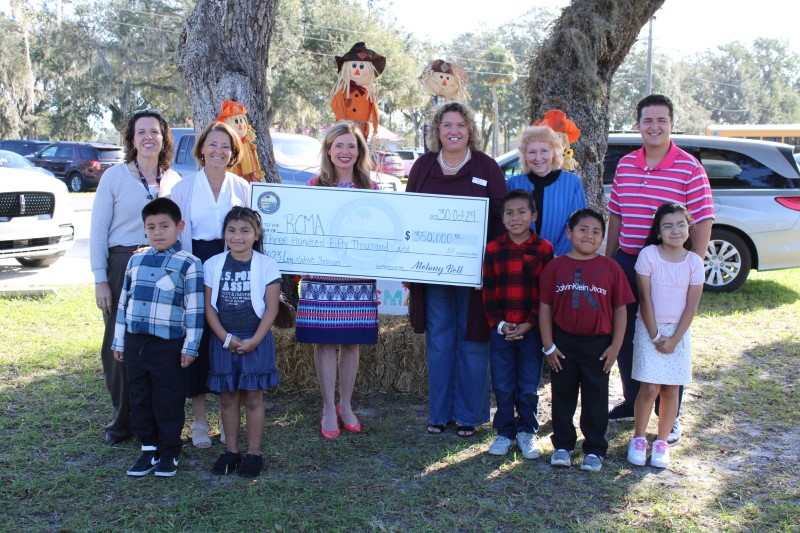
<point x="110" y="154"/>
<point x="296" y="151"/>
<point x="12" y="160"/>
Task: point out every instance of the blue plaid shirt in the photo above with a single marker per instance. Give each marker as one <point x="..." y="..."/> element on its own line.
<point x="162" y="296"/>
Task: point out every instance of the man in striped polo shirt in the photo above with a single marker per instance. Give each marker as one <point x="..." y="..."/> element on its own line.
<point x="657" y="173"/>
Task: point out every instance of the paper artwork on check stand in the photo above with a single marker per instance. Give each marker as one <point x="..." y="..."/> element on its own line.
<point x="373" y="234"/>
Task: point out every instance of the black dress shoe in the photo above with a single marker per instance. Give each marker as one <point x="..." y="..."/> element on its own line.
<point x="112" y="439"/>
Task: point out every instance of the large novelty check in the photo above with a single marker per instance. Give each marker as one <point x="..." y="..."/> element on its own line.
<point x="373" y="234"/>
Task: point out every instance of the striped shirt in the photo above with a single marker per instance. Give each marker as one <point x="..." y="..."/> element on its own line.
<point x="638" y="191"/>
<point x="162" y="295"/>
<point x="511" y="279"/>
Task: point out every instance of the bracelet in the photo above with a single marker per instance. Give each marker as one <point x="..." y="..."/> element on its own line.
<point x="227" y="342"/>
<point x="656" y="338"/>
<point x="500" y="327"/>
<point x="551" y="350"/>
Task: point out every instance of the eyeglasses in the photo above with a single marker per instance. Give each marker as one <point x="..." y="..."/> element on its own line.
<point x="669" y="228"/>
<point x="154" y="112"/>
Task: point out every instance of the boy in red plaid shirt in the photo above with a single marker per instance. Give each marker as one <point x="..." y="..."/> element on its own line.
<point x="511" y="269"/>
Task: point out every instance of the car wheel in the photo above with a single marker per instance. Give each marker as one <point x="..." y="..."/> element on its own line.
<point x="76" y="183"/>
<point x="727" y="261"/>
<point x="38" y="261"/>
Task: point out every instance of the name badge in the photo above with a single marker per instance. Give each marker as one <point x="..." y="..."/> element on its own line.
<point x="479" y="181"/>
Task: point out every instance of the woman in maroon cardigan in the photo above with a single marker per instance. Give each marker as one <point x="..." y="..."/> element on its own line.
<point x="456" y="331"/>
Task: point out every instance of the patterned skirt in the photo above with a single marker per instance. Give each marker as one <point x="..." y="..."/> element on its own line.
<point x="337" y="311"/>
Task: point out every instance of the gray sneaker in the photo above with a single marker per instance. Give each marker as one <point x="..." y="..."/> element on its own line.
<point x="500" y="445"/>
<point x="528" y="445"/>
<point x="592" y="463"/>
<point x="675" y="434"/>
<point x="561" y="457"/>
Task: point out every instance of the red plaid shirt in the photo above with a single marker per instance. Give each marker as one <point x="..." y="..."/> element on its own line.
<point x="511" y="279"/>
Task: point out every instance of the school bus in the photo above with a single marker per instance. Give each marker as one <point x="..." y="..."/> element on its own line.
<point x="784" y="133"/>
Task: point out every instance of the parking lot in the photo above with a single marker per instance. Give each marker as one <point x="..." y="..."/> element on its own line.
<point x="72" y="269"/>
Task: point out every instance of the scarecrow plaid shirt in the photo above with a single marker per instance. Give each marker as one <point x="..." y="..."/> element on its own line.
<point x="162" y="295"/>
<point x="511" y="279"/>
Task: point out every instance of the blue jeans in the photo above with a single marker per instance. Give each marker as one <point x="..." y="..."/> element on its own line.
<point x="458" y="370"/>
<point x="516" y="372"/>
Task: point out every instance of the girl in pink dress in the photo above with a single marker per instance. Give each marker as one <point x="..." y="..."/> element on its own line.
<point x="670" y="279"/>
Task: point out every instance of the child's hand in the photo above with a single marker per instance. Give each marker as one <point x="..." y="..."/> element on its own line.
<point x="246" y="346"/>
<point x="186" y="360"/>
<point x="553" y="360"/>
<point x="119" y="356"/>
<point x="519" y="331"/>
<point x="235" y="343"/>
<point x="666" y="344"/>
<point x="610" y="357"/>
<point x="509" y="328"/>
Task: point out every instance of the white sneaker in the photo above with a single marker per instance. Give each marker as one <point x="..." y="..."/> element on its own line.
<point x="561" y="457"/>
<point x="592" y="463"/>
<point x="660" y="457"/>
<point x="528" y="445"/>
<point x="500" y="445"/>
<point x="637" y="451"/>
<point x="675" y="434"/>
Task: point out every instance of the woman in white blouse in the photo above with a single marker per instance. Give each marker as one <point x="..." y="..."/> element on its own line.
<point x="205" y="199"/>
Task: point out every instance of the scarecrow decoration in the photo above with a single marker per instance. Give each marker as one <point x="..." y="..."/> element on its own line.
<point x="235" y="115"/>
<point x="352" y="98"/>
<point x="566" y="130"/>
<point x="445" y="81"/>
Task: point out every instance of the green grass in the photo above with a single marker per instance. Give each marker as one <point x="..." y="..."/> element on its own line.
<point x="730" y="472"/>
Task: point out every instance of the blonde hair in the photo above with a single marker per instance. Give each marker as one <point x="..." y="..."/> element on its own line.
<point x="236" y="143"/>
<point x="435" y="143"/>
<point x="343" y="82"/>
<point x="543" y="134"/>
<point x="362" y="166"/>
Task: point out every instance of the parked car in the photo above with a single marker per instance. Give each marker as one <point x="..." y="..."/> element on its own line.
<point x="297" y="158"/>
<point x="756" y="190"/>
<point x="36" y="219"/>
<point x="23" y="147"/>
<point x="408" y="155"/>
<point x="14" y="160"/>
<point x="79" y="164"/>
<point x="387" y="162"/>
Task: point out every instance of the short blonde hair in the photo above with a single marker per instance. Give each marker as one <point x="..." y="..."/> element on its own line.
<point x="543" y="134"/>
<point x="435" y="143"/>
<point x="236" y="143"/>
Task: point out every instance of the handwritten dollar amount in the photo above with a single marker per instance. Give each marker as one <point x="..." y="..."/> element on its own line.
<point x="441" y="238"/>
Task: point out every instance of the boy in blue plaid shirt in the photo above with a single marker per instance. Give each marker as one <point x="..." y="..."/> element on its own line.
<point x="159" y="325"/>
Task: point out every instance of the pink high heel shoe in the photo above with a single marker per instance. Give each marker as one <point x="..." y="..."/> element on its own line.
<point x="330" y="435"/>
<point x="354" y="428"/>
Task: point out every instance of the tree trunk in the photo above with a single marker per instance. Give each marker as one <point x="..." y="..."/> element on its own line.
<point x="223" y="54"/>
<point x="572" y="71"/>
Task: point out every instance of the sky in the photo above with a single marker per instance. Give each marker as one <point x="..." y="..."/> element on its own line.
<point x="680" y="26"/>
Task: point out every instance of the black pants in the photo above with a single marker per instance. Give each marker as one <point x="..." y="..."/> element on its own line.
<point x="114" y="373"/>
<point x="581" y="372"/>
<point x="155" y="383"/>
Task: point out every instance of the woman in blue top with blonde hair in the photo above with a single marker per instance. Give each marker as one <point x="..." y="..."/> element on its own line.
<point x="558" y="193"/>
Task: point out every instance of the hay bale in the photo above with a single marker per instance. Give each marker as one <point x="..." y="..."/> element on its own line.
<point x="395" y="364"/>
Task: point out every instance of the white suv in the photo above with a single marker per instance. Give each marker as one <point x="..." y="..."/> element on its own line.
<point x="756" y="190"/>
<point x="36" y="220"/>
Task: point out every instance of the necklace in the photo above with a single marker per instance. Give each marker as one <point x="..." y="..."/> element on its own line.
<point x="456" y="168"/>
<point x="144" y="181"/>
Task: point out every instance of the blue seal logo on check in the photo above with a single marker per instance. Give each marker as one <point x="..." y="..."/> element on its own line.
<point x="268" y="203"/>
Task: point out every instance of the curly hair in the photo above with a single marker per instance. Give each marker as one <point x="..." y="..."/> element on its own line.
<point x="543" y="134"/>
<point x="654" y="237"/>
<point x="435" y="143"/>
<point x="362" y="166"/>
<point x="167" y="144"/>
<point x="236" y="143"/>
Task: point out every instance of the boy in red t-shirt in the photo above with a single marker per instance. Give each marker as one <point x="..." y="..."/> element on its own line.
<point x="511" y="269"/>
<point x="582" y="321"/>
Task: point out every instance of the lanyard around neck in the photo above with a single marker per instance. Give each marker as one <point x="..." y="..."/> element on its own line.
<point x="144" y="181"/>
